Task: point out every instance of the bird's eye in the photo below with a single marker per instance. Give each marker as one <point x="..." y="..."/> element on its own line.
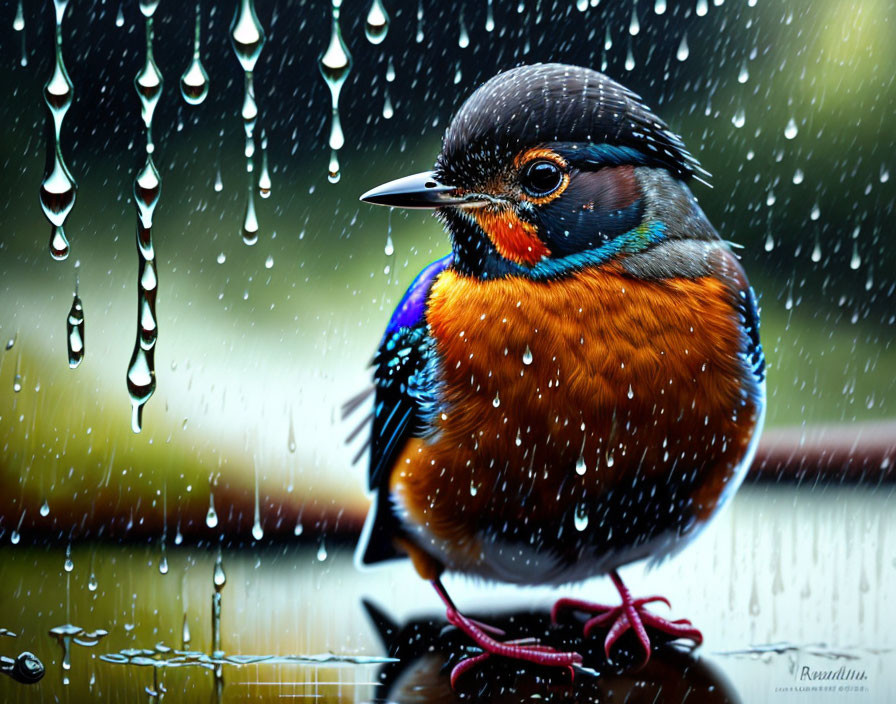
<point x="540" y="178"/>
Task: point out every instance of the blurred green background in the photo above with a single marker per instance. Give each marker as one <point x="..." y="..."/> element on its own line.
<point x="789" y="106"/>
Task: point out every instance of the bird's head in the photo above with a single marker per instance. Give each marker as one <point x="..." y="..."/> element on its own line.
<point x="548" y="168"/>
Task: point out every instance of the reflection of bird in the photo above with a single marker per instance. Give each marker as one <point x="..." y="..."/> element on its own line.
<point x="580" y="383"/>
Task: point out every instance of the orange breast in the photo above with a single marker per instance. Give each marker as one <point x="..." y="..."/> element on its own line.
<point x="595" y="389"/>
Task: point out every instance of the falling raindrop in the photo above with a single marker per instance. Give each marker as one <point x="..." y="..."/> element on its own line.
<point x="798" y="177"/>
<point x="390" y="72"/>
<point x="659" y="7"/>
<point x="473" y="489"/>
<point x="57" y="190"/>
<point x="92" y="583"/>
<point x="816" y="251"/>
<point x="322" y="551"/>
<point x="119" y="18"/>
<point x="744" y="74"/>
<point x="163" y="561"/>
<point x="790" y="131"/>
<point x="769" y="242"/>
<point x="884" y="174"/>
<point x="855" y="261"/>
<point x="75" y="326"/>
<point x="335" y="64"/>
<point x="194" y="81"/>
<point x="219" y="579"/>
<point x="68" y="565"/>
<point x="581" y="467"/>
<point x="419" y="37"/>
<point x="683" y="51"/>
<point x="377" y="24"/>
<point x="629" y="59"/>
<point x="815" y="213"/>
<point x="739" y="119"/>
<point x="257" y="530"/>
<point x="634" y="26"/>
<point x="702" y="8"/>
<point x="388" y="110"/>
<point x="496" y="401"/>
<point x="219" y="576"/>
<point x="45" y="509"/>
<point x="527" y="356"/>
<point x="489" y="17"/>
<point x="580" y="517"/>
<point x="18" y="23"/>
<point x="519" y="439"/>
<point x="291" y="434"/>
<point x="581" y="5"/>
<point x="463" y="39"/>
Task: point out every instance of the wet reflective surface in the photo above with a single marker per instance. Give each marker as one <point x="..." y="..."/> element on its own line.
<point x="792" y="592"/>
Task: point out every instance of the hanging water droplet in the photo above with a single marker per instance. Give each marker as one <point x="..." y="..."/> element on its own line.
<point x="247" y="35"/>
<point x="257" y="530"/>
<point x="68" y="565"/>
<point x="269" y="262"/>
<point x="291" y="434"/>
<point x="634" y="26"/>
<point x="610" y="459"/>
<point x="790" y="131"/>
<point x="250" y="221"/>
<point x="194" y="81"/>
<point x="739" y="119"/>
<point x="744" y="74"/>
<point x="333" y="174"/>
<point x="211" y="518"/>
<point x="59" y="245"/>
<point x="264" y="177"/>
<point x="322" y="551"/>
<point x="496" y="401"/>
<point x="377" y="24"/>
<point x="580" y="517"/>
<point x="75" y="327"/>
<point x="527" y="356"/>
<point x="218" y="576"/>
<point x="884" y="174"/>
<point x="335" y="64"/>
<point x="45" y="509"/>
<point x="581" y="467"/>
<point x="683" y="51"/>
<point x="702" y="8"/>
<point x="92" y="583"/>
<point x="17" y="380"/>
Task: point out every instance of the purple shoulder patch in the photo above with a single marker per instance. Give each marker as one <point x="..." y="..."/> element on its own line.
<point x="411" y="309"/>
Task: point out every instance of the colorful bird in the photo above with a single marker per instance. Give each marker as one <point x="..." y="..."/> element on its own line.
<point x="580" y="383"/>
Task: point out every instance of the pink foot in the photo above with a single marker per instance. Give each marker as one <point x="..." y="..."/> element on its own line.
<point x="528" y="649"/>
<point x="630" y="615"/>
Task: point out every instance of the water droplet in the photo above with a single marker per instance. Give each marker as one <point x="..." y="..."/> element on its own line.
<point x="884" y="174"/>
<point x="15" y="537"/>
<point x="463" y="39"/>
<point x="489" y="17"/>
<point x="815" y="213"/>
<point x="377" y="24"/>
<point x="816" y="252"/>
<point x="119" y="18"/>
<point x="744" y="75"/>
<point x="299" y="528"/>
<point x="211" y="518"/>
<point x="92" y="583"/>
<point x="269" y="262"/>
<point x="75" y="326"/>
<point x="390" y="72"/>
<point x="634" y="26"/>
<point x="629" y="59"/>
<point x="631" y="392"/>
<point x="247" y="35"/>
<point x="219" y="577"/>
<point x="581" y="467"/>
<point x="219" y="182"/>
<point x="335" y="64"/>
<point x="519" y="439"/>
<point x="580" y="517"/>
<point x="45" y="509"/>
<point x="473" y="489"/>
<point x="18" y="23"/>
<point x="163" y="564"/>
<point x="185" y="637"/>
<point x="388" y="110"/>
<point x="769" y="242"/>
<point x="11" y="342"/>
<point x="322" y="551"/>
<point x="527" y="356"/>
<point x="610" y="458"/>
<point x="264" y="177"/>
<point x="390" y="248"/>
<point x="419" y="36"/>
<point x="497" y="400"/>
<point x="739" y="119"/>
<point x="581" y="5"/>
<point x="659" y="7"/>
<point x="702" y="8"/>
<point x="683" y="51"/>
<point x="790" y="131"/>
<point x="798" y="177"/>
<point x="855" y="261"/>
<point x="250" y="221"/>
<point x="68" y="565"/>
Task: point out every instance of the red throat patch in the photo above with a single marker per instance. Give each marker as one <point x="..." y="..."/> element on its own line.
<point x="513" y="238"/>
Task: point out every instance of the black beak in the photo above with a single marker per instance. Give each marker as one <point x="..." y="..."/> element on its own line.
<point x="418" y="191"/>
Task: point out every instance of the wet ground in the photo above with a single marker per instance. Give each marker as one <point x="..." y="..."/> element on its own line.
<point x="794" y="591"/>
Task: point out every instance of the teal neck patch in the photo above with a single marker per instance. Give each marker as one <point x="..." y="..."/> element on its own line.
<point x="636" y="240"/>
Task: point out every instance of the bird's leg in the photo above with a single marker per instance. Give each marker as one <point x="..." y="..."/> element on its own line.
<point x="483" y="635"/>
<point x="630" y="614"/>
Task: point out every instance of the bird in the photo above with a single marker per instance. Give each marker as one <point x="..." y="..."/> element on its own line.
<point x="580" y="383"/>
